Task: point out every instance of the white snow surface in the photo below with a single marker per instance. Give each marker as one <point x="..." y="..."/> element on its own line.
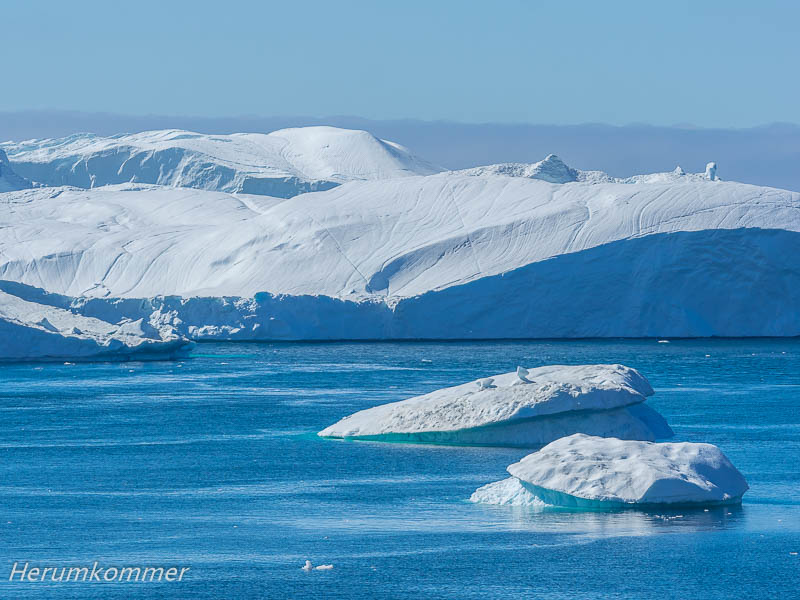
<point x="508" y="492"/>
<point x="390" y="239"/>
<point x="410" y="256"/>
<point x="32" y="329"/>
<point x="554" y="170"/>
<point x="282" y="163"/>
<point x="582" y="470"/>
<point x="548" y="403"/>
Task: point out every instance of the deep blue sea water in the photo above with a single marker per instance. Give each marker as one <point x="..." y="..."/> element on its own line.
<point x="213" y="463"/>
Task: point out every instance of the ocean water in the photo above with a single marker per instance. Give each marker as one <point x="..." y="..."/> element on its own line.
<point x="213" y="463"/>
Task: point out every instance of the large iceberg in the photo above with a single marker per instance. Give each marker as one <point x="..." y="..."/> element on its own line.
<point x="39" y="326"/>
<point x="283" y="163"/>
<point x="586" y="471"/>
<point x="527" y="407"/>
<point x="534" y="251"/>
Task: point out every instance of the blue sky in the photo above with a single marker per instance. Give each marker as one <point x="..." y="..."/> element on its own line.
<point x="712" y="64"/>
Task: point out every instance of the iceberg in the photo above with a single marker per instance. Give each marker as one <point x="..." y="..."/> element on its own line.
<point x="40" y="327"/>
<point x="451" y="255"/>
<point x="554" y="170"/>
<point x="507" y="492"/>
<point x="588" y="471"/>
<point x="283" y="163"/>
<point x="514" y="410"/>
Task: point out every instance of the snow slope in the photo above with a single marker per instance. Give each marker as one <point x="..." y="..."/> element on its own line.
<point x="521" y="408"/>
<point x="38" y="326"/>
<point x="662" y="256"/>
<point x="282" y="163"/>
<point x="400" y="237"/>
<point x="582" y="470"/>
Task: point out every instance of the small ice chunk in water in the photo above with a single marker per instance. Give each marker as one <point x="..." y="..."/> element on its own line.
<point x="308" y="566"/>
<point x="323" y="568"/>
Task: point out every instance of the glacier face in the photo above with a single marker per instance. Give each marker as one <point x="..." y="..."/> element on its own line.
<point x="586" y="471"/>
<point x="283" y="163"/>
<point x="528" y="407"/>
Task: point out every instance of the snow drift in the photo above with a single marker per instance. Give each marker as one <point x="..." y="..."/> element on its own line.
<point x="522" y="408"/>
<point x="282" y="163"/>
<point x="37" y="326"/>
<point x="587" y="471"/>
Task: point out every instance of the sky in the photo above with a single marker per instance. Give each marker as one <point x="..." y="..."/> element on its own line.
<point x="706" y="63"/>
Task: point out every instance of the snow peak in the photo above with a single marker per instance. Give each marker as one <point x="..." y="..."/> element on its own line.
<point x="96" y="574"/>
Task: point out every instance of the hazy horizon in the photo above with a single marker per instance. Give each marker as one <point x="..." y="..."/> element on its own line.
<point x="765" y="155"/>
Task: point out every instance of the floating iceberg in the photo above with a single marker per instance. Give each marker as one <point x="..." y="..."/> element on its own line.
<point x="283" y="163"/>
<point x="451" y="255"/>
<point x="588" y="471"/>
<point x="527" y="407"/>
<point x="40" y="327"/>
<point x="508" y="492"/>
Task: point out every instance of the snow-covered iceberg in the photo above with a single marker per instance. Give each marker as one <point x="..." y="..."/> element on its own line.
<point x="507" y="492"/>
<point x="39" y="326"/>
<point x="475" y="255"/>
<point x="588" y="471"/>
<point x="283" y="163"/>
<point x="527" y="407"/>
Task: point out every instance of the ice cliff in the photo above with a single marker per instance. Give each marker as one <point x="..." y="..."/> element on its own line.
<point x="35" y="325"/>
<point x="9" y="180"/>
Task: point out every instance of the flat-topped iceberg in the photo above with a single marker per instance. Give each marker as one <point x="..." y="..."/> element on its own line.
<point x="589" y="471"/>
<point x="521" y="408"/>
